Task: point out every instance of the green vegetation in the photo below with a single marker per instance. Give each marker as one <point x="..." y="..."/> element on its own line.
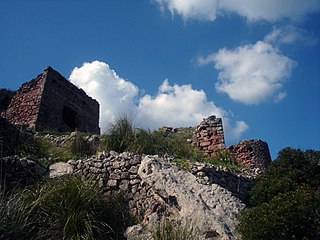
<point x="46" y="152"/>
<point x="122" y="136"/>
<point x="68" y="208"/>
<point x="167" y="230"/>
<point x="285" y="202"/>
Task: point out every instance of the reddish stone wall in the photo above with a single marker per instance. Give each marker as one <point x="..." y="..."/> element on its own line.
<point x="208" y="135"/>
<point x="254" y="154"/>
<point x="24" y="106"/>
<point x="52" y="103"/>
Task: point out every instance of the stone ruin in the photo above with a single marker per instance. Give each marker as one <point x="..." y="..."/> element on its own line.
<point x="50" y="102"/>
<point x="209" y="138"/>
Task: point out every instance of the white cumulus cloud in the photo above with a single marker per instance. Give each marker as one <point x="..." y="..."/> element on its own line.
<point x="115" y="94"/>
<point x="191" y="9"/>
<point x="252" y="73"/>
<point x="173" y="105"/>
<point x="253" y="10"/>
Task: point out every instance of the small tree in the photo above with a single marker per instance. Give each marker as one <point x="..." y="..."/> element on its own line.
<point x="285" y="202"/>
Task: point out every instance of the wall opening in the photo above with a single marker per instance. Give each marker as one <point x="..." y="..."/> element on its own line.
<point x="70" y="118"/>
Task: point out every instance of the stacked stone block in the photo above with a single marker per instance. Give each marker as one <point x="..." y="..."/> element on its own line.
<point x="24" y="106"/>
<point x="115" y="172"/>
<point x="209" y="136"/>
<point x="253" y="154"/>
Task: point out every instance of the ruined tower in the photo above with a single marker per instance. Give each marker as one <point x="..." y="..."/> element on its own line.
<point x="50" y="102"/>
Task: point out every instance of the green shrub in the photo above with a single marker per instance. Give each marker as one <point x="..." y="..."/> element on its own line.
<point x="68" y="208"/>
<point x="285" y="202"/>
<point x="291" y="215"/>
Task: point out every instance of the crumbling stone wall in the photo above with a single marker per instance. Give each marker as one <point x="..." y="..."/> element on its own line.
<point x="15" y="172"/>
<point x="209" y="136"/>
<point x="24" y="106"/>
<point x="253" y="154"/>
<point x="119" y="172"/>
<point x="50" y="102"/>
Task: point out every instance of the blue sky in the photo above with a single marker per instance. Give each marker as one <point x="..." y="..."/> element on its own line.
<point x="256" y="64"/>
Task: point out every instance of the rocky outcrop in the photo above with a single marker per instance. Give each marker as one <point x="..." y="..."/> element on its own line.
<point x="155" y="188"/>
<point x="238" y="184"/>
<point x="50" y="102"/>
<point x="253" y="154"/>
<point x="208" y="135"/>
<point x="211" y="208"/>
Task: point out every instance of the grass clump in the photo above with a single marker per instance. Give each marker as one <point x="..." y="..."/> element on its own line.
<point x="123" y="136"/>
<point x="168" y="230"/>
<point x="68" y="208"/>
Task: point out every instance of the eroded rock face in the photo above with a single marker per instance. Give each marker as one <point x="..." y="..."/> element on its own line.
<point x="210" y="208"/>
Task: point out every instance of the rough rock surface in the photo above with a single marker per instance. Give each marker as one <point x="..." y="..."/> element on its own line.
<point x="211" y="208"/>
<point x="59" y="169"/>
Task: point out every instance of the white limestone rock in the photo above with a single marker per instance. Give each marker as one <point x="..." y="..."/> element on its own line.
<point x="210" y="208"/>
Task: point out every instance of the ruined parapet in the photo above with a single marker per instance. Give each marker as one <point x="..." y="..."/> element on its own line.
<point x="52" y="103"/>
<point x="253" y="154"/>
<point x="209" y="136"/>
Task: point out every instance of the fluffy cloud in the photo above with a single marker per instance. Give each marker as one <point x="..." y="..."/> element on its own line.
<point x="115" y="94"/>
<point x="176" y="106"/>
<point x="269" y="10"/>
<point x="196" y="9"/>
<point x="290" y="35"/>
<point x="173" y="105"/>
<point x="252" y="73"/>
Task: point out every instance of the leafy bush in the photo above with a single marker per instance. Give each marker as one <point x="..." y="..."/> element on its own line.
<point x="285" y="202"/>
<point x="69" y="208"/>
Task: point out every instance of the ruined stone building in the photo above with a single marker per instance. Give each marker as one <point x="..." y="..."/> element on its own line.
<point x="209" y="138"/>
<point x="50" y="102"/>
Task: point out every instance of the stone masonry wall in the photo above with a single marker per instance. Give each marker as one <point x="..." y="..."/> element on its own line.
<point x="253" y="154"/>
<point x="24" y="106"/>
<point x="209" y="136"/>
<point x="119" y="172"/>
<point x="15" y="172"/>
<point x="64" y="107"/>
<point x="51" y="103"/>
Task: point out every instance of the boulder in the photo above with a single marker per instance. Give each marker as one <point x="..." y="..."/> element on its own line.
<point x="209" y="208"/>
